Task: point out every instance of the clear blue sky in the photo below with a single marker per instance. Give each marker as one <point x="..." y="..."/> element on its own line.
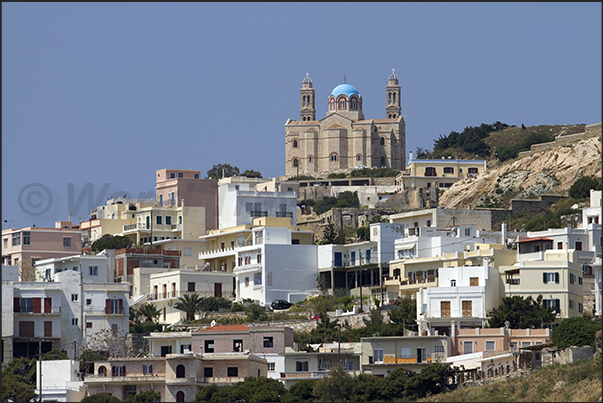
<point x="109" y="93"/>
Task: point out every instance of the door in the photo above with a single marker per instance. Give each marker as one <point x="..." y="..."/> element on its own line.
<point x="338" y="259"/>
<point x="47" y="329"/>
<point x="467" y="309"/>
<point x="217" y="289"/>
<point x="421" y="354"/>
<point x="445" y="309"/>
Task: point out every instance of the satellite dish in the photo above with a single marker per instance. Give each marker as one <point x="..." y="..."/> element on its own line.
<point x="213" y="323"/>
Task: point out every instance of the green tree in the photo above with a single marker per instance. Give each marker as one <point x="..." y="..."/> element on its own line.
<point x="55" y="354"/>
<point x="109" y="241"/>
<point x="432" y="380"/>
<point x="403" y="315"/>
<point x="374" y="323"/>
<point x="395" y="383"/>
<point x="222" y="171"/>
<point x="581" y="188"/>
<point x="252" y="389"/>
<point x="256" y="313"/>
<point x="367" y="388"/>
<point x="189" y="304"/>
<point x="204" y="395"/>
<point x="214" y="304"/>
<point x="578" y="331"/>
<point x="250" y="173"/>
<point x="331" y="234"/>
<point x="334" y="388"/>
<point x="15" y="388"/>
<point x="149" y="312"/>
<point x="521" y="313"/>
<point x="300" y="392"/>
<point x="101" y="397"/>
<point x="24" y="367"/>
<point x="144" y="396"/>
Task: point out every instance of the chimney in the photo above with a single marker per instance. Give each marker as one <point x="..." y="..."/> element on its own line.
<point x="410" y="156"/>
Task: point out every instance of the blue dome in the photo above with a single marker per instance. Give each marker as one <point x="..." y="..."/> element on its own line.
<point x="345" y="89"/>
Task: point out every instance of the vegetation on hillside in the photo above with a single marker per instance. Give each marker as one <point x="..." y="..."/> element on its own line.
<point x="521" y="313"/>
<point x="109" y="241"/>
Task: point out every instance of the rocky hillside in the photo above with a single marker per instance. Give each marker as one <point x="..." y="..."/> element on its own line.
<point x="550" y="171"/>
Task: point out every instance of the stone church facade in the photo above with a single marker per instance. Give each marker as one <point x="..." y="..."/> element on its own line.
<point x="344" y="139"/>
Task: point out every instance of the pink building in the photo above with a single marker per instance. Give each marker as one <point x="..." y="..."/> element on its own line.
<point x="467" y="341"/>
<point x="26" y="246"/>
<point x="173" y="186"/>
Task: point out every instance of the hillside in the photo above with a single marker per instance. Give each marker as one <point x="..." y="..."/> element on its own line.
<point x="576" y="382"/>
<point x="551" y="171"/>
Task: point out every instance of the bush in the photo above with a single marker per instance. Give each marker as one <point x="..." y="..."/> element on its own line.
<point x="578" y="331"/>
<point x="581" y="188"/>
<point x="101" y="397"/>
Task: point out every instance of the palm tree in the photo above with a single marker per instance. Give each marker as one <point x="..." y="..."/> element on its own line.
<point x="189" y="303"/>
<point x="149" y="312"/>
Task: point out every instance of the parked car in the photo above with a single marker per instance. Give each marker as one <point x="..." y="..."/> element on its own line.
<point x="280" y="304"/>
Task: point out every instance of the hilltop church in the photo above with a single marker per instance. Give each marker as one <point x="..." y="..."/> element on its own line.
<point x="344" y="139"/>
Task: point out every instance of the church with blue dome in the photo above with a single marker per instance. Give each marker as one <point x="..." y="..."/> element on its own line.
<point x="344" y="139"/>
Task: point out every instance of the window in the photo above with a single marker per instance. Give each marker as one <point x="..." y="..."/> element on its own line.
<point x="571" y="304"/>
<point x="26" y="238"/>
<point x="271" y="366"/>
<point x="74" y="297"/>
<point x="430" y="171"/>
<point x="578" y="245"/>
<point x="467" y="231"/>
<point x="513" y="346"/>
<point x="472" y="170"/>
<point x="147" y="369"/>
<point x="572" y="279"/>
<point x="405" y="352"/>
<point x="467" y="347"/>
<point x="342" y="103"/>
<point x="237" y="345"/>
<point x="246" y="281"/>
<point x="448" y="170"/>
<point x="88" y="301"/>
<point x="209" y="346"/>
<point x="378" y="354"/>
<point x="490" y="345"/>
<point x="473" y="281"/>
<point x="180" y="371"/>
<point x="559" y="245"/>
<point x="579" y="280"/>
<point x="429" y="223"/>
<point x="438" y="349"/>
<point x="165" y="350"/>
<point x="452" y="283"/>
<point x="294" y="143"/>
<point x="67" y="242"/>
<point x="552" y="303"/>
<point x="172" y="175"/>
<point x="354" y="104"/>
<point x="382" y="161"/>
<point x="168" y="220"/>
<point x="301" y="366"/>
<point x="48" y="274"/>
<point x="550" y="278"/>
<point x="333" y="157"/>
<point x="309" y="160"/>
<point x="295" y="163"/>
<point x="159" y="220"/>
<point x="6" y="242"/>
<point x="579" y="307"/>
<point x="268" y="342"/>
<point x="382" y="141"/>
<point x="114" y="306"/>
<point x="232" y="371"/>
<point x="208" y="372"/>
<point x="525" y="344"/>
<point x="191" y="286"/>
<point x="180" y="175"/>
<point x="74" y="321"/>
<point x="196" y="176"/>
<point x="187" y="252"/>
<point x="88" y="325"/>
<point x="16" y="239"/>
<point x="93" y="270"/>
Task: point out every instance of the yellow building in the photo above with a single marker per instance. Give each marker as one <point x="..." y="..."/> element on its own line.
<point x="437" y="173"/>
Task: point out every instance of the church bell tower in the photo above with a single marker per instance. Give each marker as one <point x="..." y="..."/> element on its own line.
<point x="392" y="110"/>
<point x="307" y="110"/>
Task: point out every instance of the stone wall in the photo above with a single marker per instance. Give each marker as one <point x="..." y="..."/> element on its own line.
<point x="534" y="205"/>
<point x="589" y="131"/>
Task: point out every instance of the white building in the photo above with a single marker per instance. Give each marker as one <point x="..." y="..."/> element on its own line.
<point x="94" y="268"/>
<point x="240" y="203"/>
<point x="10" y="274"/>
<point x="462" y="298"/>
<point x="60" y="381"/>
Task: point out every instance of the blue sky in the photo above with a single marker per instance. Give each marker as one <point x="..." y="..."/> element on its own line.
<point x="108" y="93"/>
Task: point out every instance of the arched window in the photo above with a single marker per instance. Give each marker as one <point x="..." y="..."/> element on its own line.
<point x="394" y="97"/>
<point x="342" y="103"/>
<point x="295" y="143"/>
<point x="180" y="396"/>
<point x="390" y="116"/>
<point x="354" y="104"/>
<point x="359" y="157"/>
<point x="309" y="158"/>
<point x="382" y="161"/>
<point x="332" y="104"/>
<point x="333" y="157"/>
<point x="304" y="100"/>
<point x="180" y="371"/>
<point x="390" y="97"/>
<point x="102" y="371"/>
<point x="382" y="141"/>
<point x="394" y="116"/>
<point x="295" y="162"/>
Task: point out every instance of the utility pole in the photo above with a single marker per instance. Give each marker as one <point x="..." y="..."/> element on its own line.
<point x="360" y="256"/>
<point x="40" y="371"/>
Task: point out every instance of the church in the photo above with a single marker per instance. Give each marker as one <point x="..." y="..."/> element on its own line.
<point x="344" y="139"/>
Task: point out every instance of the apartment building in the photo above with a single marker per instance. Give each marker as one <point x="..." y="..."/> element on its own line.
<point x="10" y="274"/>
<point x="94" y="268"/>
<point x="129" y="258"/>
<point x="437" y="173"/>
<point x="381" y="355"/>
<point x="441" y="217"/>
<point x="25" y="246"/>
<point x="469" y="341"/>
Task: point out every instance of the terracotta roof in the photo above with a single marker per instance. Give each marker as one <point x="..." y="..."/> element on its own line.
<point x="226" y="328"/>
<point x="540" y="238"/>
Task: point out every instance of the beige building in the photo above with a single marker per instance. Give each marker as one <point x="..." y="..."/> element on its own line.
<point x="23" y="247"/>
<point x="344" y="138"/>
<point x="437" y="173"/>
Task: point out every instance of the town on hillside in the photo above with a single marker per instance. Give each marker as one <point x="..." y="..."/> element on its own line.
<point x="349" y="265"/>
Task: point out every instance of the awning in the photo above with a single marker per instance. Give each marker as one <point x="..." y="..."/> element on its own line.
<point x="405" y="247"/>
<point x="540" y="238"/>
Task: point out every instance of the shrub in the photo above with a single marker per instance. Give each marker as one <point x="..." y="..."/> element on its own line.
<point x="581" y="188"/>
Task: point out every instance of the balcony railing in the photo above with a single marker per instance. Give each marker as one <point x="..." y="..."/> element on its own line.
<point x="56" y="310"/>
<point x="305" y="374"/>
<point x="513" y="281"/>
<point x="177" y="294"/>
<point x="256" y="214"/>
<point x="127" y="378"/>
<point x="284" y="214"/>
<point x="445" y="313"/>
<point x="135" y="227"/>
<point x="467" y="313"/>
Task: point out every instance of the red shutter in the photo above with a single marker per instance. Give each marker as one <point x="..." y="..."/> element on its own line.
<point x="47" y="305"/>
<point x="121" y="307"/>
<point x="16" y="305"/>
<point x="113" y="371"/>
<point x="37" y="305"/>
<point x="123" y="371"/>
<point x="107" y="306"/>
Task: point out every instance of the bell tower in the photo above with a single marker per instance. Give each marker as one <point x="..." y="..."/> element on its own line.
<point x="307" y="110"/>
<point x="392" y="110"/>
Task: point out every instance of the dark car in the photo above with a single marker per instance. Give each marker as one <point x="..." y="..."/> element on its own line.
<point x="280" y="304"/>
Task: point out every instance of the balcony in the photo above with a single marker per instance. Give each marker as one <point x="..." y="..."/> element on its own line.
<point x="177" y="294"/>
<point x="181" y="381"/>
<point x="287" y="214"/>
<point x="257" y="214"/>
<point x="135" y="227"/>
<point x="56" y="310"/>
<point x="216" y="253"/>
<point x="125" y="379"/>
<point x="176" y="227"/>
<point x="513" y="281"/>
<point x="217" y="379"/>
<point x="305" y="374"/>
